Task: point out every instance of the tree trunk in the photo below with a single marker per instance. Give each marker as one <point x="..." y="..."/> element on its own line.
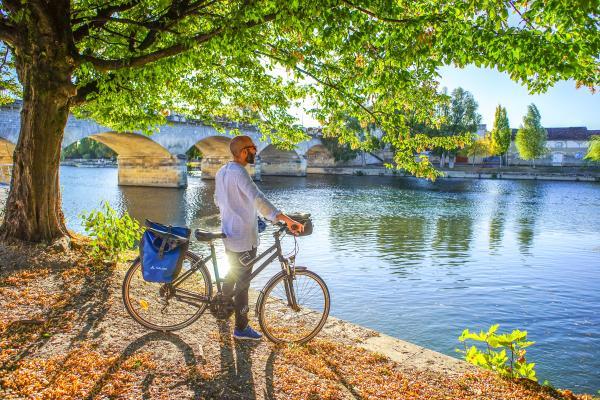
<point x="33" y="208"/>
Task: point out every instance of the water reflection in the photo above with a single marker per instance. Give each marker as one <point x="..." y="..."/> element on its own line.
<point x="452" y="239"/>
<point x="201" y="208"/>
<point x="497" y="229"/>
<point x="497" y="222"/>
<point x="530" y="199"/>
<point x="345" y="232"/>
<point x="402" y="239"/>
<point x="160" y="204"/>
<point x="399" y="240"/>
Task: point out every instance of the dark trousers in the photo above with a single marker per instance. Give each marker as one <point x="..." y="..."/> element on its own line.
<point x="239" y="277"/>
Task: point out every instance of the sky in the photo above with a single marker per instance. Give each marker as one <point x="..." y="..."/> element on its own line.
<point x="561" y="106"/>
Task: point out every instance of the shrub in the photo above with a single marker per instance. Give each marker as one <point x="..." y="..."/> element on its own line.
<point x="514" y="365"/>
<point x="111" y="234"/>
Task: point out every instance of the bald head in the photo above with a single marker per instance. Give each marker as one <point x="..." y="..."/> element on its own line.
<point x="238" y="143"/>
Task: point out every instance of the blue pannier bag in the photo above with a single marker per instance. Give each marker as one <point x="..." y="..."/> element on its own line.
<point x="162" y="250"/>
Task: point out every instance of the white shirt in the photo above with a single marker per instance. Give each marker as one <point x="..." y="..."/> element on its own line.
<point x="239" y="199"/>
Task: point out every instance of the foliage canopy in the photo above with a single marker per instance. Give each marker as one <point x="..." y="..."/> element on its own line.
<point x="531" y="137"/>
<point x="501" y="133"/>
<point x="593" y="153"/>
<point x="479" y="147"/>
<point x="461" y="116"/>
<point x="250" y="61"/>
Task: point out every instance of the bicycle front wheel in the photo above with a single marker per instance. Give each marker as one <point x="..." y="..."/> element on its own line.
<point x="285" y="320"/>
<point x="164" y="306"/>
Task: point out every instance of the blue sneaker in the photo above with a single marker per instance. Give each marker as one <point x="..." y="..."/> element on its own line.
<point x="246" y="334"/>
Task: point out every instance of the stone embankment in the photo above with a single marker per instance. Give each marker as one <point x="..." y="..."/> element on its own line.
<point x="517" y="173"/>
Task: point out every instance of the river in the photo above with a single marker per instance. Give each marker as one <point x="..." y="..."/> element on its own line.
<point x="422" y="261"/>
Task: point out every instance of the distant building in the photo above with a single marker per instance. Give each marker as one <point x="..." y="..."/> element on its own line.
<point x="481" y="130"/>
<point x="566" y="147"/>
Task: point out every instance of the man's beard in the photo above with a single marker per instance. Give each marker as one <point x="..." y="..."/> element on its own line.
<point x="250" y="158"/>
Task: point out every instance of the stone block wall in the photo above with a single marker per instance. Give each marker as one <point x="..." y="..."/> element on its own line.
<point x="295" y="167"/>
<point x="210" y="165"/>
<point x="153" y="171"/>
<point x="5" y="173"/>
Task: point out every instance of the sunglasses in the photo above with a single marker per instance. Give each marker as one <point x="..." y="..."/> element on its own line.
<point x="249" y="147"/>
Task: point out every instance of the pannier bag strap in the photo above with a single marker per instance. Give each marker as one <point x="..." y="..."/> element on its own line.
<point x="161" y="250"/>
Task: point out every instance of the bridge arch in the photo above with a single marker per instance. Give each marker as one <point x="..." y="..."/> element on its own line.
<point x="142" y="161"/>
<point x="276" y="161"/>
<point x="319" y="156"/>
<point x="127" y="144"/>
<point x="214" y="146"/>
<point x="215" y="153"/>
<point x="7" y="148"/>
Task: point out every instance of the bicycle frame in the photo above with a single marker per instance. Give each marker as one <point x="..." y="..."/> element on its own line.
<point x="272" y="252"/>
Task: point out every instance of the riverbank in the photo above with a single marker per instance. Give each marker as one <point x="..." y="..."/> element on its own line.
<point x="92" y="163"/>
<point x="583" y="174"/>
<point x="65" y="334"/>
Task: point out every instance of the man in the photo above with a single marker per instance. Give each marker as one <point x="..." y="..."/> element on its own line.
<point x="239" y="199"/>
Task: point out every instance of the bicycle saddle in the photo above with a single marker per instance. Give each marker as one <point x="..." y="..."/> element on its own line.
<point x="206" y="236"/>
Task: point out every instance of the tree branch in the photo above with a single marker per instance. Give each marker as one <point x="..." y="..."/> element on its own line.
<point x="111" y="65"/>
<point x="344" y="96"/>
<point x="139" y="61"/>
<point x="4" y="58"/>
<point x="175" y="13"/>
<point x="82" y="93"/>
<point x="391" y="20"/>
<point x="41" y="10"/>
<point x="527" y="22"/>
<point x="12" y="5"/>
<point x="150" y="25"/>
<point x="92" y="87"/>
<point x="99" y="20"/>
<point x="8" y="33"/>
<point x="129" y="38"/>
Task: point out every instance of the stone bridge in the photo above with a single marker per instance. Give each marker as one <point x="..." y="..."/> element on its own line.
<point x="160" y="160"/>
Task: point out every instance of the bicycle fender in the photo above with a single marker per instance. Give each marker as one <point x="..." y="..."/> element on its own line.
<point x="275" y="277"/>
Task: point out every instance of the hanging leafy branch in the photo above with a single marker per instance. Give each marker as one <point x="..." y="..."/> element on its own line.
<point x="593" y="153"/>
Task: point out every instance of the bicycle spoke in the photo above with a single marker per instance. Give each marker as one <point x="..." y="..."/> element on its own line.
<point x="283" y="323"/>
<point x="163" y="306"/>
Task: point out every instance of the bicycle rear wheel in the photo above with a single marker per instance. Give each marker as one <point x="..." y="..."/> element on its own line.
<point x="280" y="321"/>
<point x="164" y="306"/>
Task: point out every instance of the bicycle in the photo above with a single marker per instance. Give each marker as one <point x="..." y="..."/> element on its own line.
<point x="291" y="308"/>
